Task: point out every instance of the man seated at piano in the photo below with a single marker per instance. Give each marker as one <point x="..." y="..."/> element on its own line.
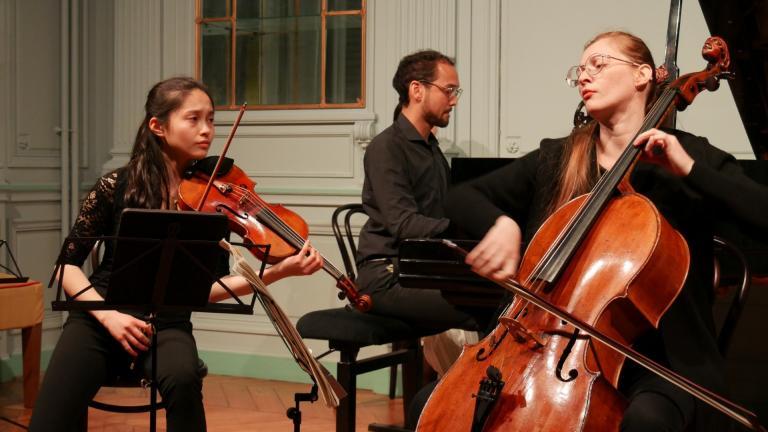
<point x="406" y="180"/>
<point x="689" y="181"/>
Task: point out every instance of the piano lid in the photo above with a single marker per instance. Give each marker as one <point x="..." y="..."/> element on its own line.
<point x="742" y="23"/>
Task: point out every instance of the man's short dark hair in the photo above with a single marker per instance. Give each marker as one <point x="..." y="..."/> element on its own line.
<point x="419" y="66"/>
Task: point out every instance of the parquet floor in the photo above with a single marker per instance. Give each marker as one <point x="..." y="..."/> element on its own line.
<point x="231" y="404"/>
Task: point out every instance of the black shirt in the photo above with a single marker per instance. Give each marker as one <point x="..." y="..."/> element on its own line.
<point x="406" y="180"/>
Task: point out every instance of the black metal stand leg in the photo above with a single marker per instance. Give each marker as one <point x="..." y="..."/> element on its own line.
<point x="294" y="413"/>
<point x="153" y="384"/>
<point x="345" y="374"/>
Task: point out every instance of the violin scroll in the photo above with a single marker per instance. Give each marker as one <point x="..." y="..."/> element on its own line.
<point x="718" y="57"/>
<point x="348" y="290"/>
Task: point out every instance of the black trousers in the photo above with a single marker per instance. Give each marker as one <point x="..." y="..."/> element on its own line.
<point x="86" y="355"/>
<point x="656" y="405"/>
<point x="425" y="308"/>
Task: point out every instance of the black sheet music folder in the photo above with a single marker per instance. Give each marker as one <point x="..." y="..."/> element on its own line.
<point x="138" y="257"/>
<point x="429" y="264"/>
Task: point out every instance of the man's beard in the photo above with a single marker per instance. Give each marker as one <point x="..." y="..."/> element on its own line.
<point x="435" y="120"/>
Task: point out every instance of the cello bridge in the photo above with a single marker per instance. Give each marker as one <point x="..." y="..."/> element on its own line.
<point x="520" y="333"/>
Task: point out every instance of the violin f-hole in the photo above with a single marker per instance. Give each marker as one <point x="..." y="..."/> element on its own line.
<point x="221" y="208"/>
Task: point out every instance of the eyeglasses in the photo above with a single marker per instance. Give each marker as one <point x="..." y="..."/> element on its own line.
<point x="450" y="91"/>
<point x="595" y="63"/>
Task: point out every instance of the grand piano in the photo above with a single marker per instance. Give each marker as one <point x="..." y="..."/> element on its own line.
<point x="744" y="26"/>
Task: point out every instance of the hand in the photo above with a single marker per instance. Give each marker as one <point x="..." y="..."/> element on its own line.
<point x="305" y="262"/>
<point x="497" y="256"/>
<point x="132" y="333"/>
<point x="665" y="150"/>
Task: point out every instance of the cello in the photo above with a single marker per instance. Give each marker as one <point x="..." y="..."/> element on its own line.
<point x="593" y="278"/>
<point x="232" y="193"/>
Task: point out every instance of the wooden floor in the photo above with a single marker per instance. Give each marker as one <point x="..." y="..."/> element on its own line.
<point x="231" y="404"/>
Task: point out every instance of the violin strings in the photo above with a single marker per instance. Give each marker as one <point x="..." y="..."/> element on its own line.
<point x="278" y="224"/>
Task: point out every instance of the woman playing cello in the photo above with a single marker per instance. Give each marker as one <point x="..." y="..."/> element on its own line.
<point x="177" y="129"/>
<point x="690" y="182"/>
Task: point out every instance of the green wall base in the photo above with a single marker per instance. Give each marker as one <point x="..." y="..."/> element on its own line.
<point x="12" y="367"/>
<point x="234" y="364"/>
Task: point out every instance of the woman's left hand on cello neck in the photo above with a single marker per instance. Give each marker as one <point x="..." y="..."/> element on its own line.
<point x="664" y="149"/>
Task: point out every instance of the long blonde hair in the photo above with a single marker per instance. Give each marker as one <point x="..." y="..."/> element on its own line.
<point x="576" y="174"/>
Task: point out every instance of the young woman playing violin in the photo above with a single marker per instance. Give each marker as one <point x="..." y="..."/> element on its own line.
<point x="177" y="129"/>
<point x="692" y="184"/>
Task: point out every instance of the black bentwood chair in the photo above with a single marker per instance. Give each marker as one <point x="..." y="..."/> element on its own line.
<point x="348" y="330"/>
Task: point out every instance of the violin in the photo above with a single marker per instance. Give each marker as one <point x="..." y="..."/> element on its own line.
<point x="232" y="193"/>
<point x="593" y="278"/>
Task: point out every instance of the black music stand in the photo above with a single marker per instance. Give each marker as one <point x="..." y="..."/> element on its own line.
<point x="163" y="261"/>
<point x="17" y="276"/>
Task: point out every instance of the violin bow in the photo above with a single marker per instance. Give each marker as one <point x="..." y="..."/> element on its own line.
<point x="221" y="157"/>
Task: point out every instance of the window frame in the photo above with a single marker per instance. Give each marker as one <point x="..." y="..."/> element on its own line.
<point x="231" y="6"/>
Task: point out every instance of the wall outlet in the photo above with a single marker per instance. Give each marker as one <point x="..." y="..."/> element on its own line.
<point x="512" y="145"/>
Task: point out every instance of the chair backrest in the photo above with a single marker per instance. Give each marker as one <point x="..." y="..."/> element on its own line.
<point x="342" y="216"/>
<point x="96" y="254"/>
<point x="726" y="251"/>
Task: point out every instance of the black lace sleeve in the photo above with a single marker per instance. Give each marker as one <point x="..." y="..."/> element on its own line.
<point x="96" y="218"/>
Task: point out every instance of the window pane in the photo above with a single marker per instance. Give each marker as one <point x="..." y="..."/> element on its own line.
<point x="215" y="57"/>
<point x="277" y="8"/>
<point x="343" y="62"/>
<point x="340" y="5"/>
<point x="278" y="56"/>
<point x="215" y="8"/>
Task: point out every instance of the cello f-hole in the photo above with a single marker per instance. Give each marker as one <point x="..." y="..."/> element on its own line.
<point x="573" y="373"/>
<point x="482" y="354"/>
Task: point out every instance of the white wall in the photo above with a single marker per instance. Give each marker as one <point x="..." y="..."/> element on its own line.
<point x="539" y="43"/>
<point x="30" y="112"/>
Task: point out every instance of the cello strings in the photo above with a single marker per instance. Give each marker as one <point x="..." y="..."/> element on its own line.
<point x="624" y="161"/>
<point x="588" y="209"/>
<point x="594" y="200"/>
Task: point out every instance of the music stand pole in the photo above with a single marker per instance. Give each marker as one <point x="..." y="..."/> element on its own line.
<point x="294" y="413"/>
<point x="153" y="384"/>
<point x="158" y="295"/>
